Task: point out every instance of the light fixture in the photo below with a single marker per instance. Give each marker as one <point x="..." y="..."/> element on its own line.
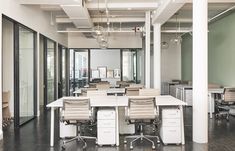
<point x="164" y="45"/>
<point x="177" y="38"/>
<point x="98" y="31"/>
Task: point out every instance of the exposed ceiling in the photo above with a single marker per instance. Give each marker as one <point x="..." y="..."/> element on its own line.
<point x="123" y="15"/>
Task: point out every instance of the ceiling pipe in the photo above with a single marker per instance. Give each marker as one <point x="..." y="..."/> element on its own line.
<point x="216" y="16"/>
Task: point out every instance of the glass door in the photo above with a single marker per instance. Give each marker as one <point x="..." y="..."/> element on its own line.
<point x="79" y="60"/>
<point x="129" y="61"/>
<point x="62" y="81"/>
<point x="49" y="71"/>
<point x="25" y="75"/>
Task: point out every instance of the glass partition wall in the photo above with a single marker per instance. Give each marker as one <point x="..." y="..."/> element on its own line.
<point x="49" y="71"/>
<point x="25" y="74"/>
<point x="62" y="62"/>
<point x="79" y="59"/>
<point x="129" y="65"/>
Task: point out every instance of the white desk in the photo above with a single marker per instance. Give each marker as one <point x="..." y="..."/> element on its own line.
<point x="109" y="91"/>
<point x="77" y="92"/>
<point x="116" y="91"/>
<point x="117" y="101"/>
<point x="211" y="95"/>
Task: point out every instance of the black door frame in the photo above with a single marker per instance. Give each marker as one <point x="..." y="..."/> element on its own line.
<point x="45" y="39"/>
<point x="16" y="27"/>
<point x="61" y="48"/>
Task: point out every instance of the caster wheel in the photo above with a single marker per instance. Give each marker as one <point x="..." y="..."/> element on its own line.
<point x="131" y="147"/>
<point x="158" y="141"/>
<point x="153" y="147"/>
<point x="125" y="141"/>
<point x="63" y="148"/>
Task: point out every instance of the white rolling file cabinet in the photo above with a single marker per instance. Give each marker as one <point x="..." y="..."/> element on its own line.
<point x="106" y="122"/>
<point x="67" y="130"/>
<point x="170" y="130"/>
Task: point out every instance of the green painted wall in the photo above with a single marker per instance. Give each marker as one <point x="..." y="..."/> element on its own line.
<point x="221" y="52"/>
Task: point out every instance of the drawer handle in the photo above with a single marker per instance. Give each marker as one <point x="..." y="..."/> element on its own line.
<point x="172" y="130"/>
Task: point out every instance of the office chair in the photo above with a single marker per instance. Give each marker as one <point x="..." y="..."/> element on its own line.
<point x="97" y="93"/>
<point x="224" y="105"/>
<point x="103" y="86"/>
<point x="77" y="111"/>
<point x="149" y="92"/>
<point x="132" y="91"/>
<point x="141" y="110"/>
<point x="85" y="90"/>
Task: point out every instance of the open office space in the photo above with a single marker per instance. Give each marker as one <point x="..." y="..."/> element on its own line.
<point x="117" y="75"/>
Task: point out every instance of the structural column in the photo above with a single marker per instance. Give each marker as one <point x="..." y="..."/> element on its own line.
<point x="157" y="56"/>
<point x="1" y="132"/>
<point x="147" y="49"/>
<point x="200" y="72"/>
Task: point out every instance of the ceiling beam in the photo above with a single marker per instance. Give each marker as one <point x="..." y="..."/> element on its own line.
<point x="104" y="20"/>
<point x="215" y="1"/>
<point x="123" y="6"/>
<point x="51" y="2"/>
<point x="166" y="10"/>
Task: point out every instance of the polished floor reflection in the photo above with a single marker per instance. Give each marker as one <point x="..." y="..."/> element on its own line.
<point x="35" y="136"/>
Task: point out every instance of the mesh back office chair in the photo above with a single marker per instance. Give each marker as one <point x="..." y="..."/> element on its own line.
<point x="224" y="105"/>
<point x="84" y="91"/>
<point x="141" y="110"/>
<point x="77" y="112"/>
<point x="149" y="92"/>
<point x="103" y="86"/>
<point x="132" y="91"/>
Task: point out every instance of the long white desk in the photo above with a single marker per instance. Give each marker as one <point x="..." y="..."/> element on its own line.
<point x="117" y="101"/>
<point x="109" y="91"/>
<point x="211" y="95"/>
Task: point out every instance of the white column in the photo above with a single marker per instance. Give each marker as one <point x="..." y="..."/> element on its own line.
<point x="200" y="72"/>
<point x="1" y="133"/>
<point x="38" y="74"/>
<point x="157" y="56"/>
<point x="147" y="49"/>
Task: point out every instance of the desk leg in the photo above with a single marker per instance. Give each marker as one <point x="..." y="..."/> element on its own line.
<point x="52" y="126"/>
<point x="182" y="125"/>
<point x="210" y="104"/>
<point x="117" y="127"/>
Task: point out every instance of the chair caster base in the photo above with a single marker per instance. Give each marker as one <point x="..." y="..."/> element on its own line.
<point x="63" y="148"/>
<point x="153" y="147"/>
<point x="131" y="147"/>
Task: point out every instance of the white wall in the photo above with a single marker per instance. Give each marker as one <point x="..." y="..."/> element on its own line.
<point x="109" y="58"/>
<point x="34" y="18"/>
<point x="170" y="59"/>
<point x="116" y="40"/>
<point x="8" y="63"/>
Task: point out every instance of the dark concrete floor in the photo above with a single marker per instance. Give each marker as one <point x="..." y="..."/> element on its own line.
<point x="35" y="136"/>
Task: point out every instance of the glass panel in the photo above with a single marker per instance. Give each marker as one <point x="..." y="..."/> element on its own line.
<point x="26" y="74"/>
<point x="63" y="71"/>
<point x="129" y="65"/>
<point x="81" y="69"/>
<point x="71" y="72"/>
<point x="50" y="71"/>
